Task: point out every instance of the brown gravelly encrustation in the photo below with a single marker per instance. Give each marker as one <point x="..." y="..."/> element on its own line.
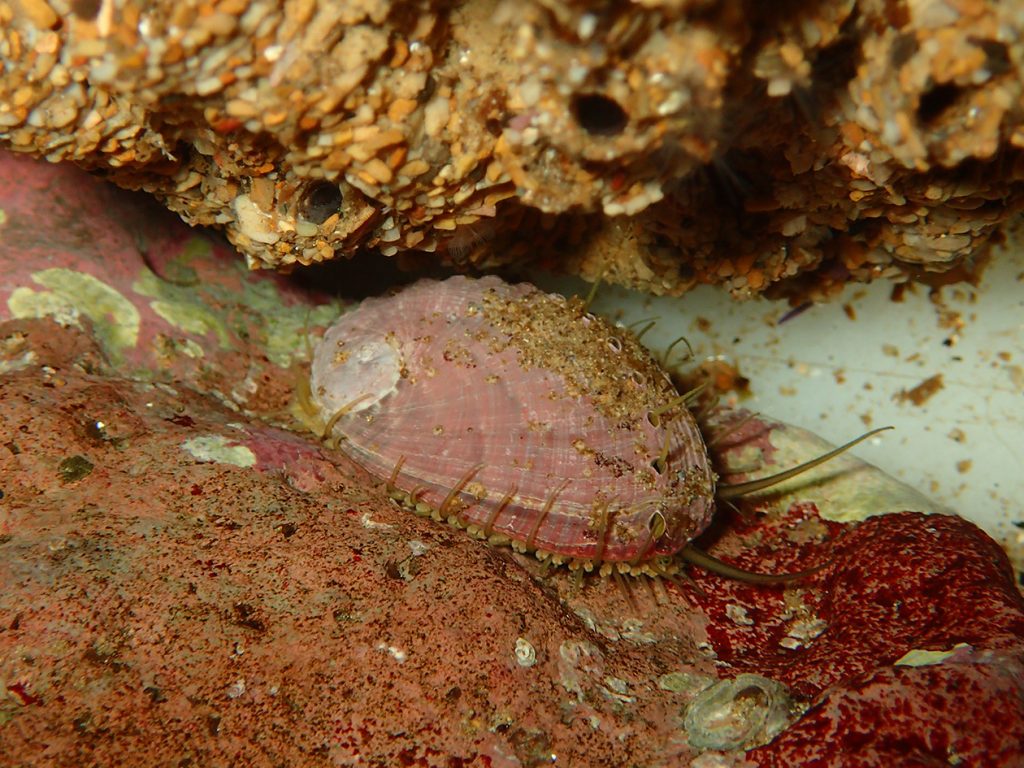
<point x="660" y="145"/>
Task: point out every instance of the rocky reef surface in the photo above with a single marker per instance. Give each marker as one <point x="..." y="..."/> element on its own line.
<point x="188" y="580"/>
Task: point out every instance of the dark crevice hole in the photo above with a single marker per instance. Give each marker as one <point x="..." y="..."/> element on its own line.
<point x="494" y="126"/>
<point x="903" y="49"/>
<point x="321" y="200"/>
<point x="87" y="10"/>
<point x="599" y="115"/>
<point x="935" y="101"/>
<point x="429" y="86"/>
<point x="997" y="57"/>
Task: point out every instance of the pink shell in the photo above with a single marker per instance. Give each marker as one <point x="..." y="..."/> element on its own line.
<point x="517" y="415"/>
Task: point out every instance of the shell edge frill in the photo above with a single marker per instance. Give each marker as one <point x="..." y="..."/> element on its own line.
<point x="662" y="565"/>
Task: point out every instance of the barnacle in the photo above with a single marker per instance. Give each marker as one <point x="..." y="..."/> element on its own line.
<point x="739" y="713"/>
<point x="659" y="144"/>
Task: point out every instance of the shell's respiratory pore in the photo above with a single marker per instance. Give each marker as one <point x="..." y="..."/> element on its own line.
<point x="518" y="416"/>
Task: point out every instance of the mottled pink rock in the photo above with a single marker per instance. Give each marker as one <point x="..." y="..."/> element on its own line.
<point x="964" y="711"/>
<point x="184" y="583"/>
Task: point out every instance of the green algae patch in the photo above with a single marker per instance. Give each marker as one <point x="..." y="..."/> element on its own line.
<point x="253" y="312"/>
<point x="285" y="328"/>
<point x="71" y="295"/>
<point x="193" y="318"/>
<point x="287" y="331"/>
<point x="220" y="449"/>
<point x="925" y="658"/>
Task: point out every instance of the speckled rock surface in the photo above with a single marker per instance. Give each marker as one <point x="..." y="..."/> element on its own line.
<point x="188" y="582"/>
<point x="656" y="144"/>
